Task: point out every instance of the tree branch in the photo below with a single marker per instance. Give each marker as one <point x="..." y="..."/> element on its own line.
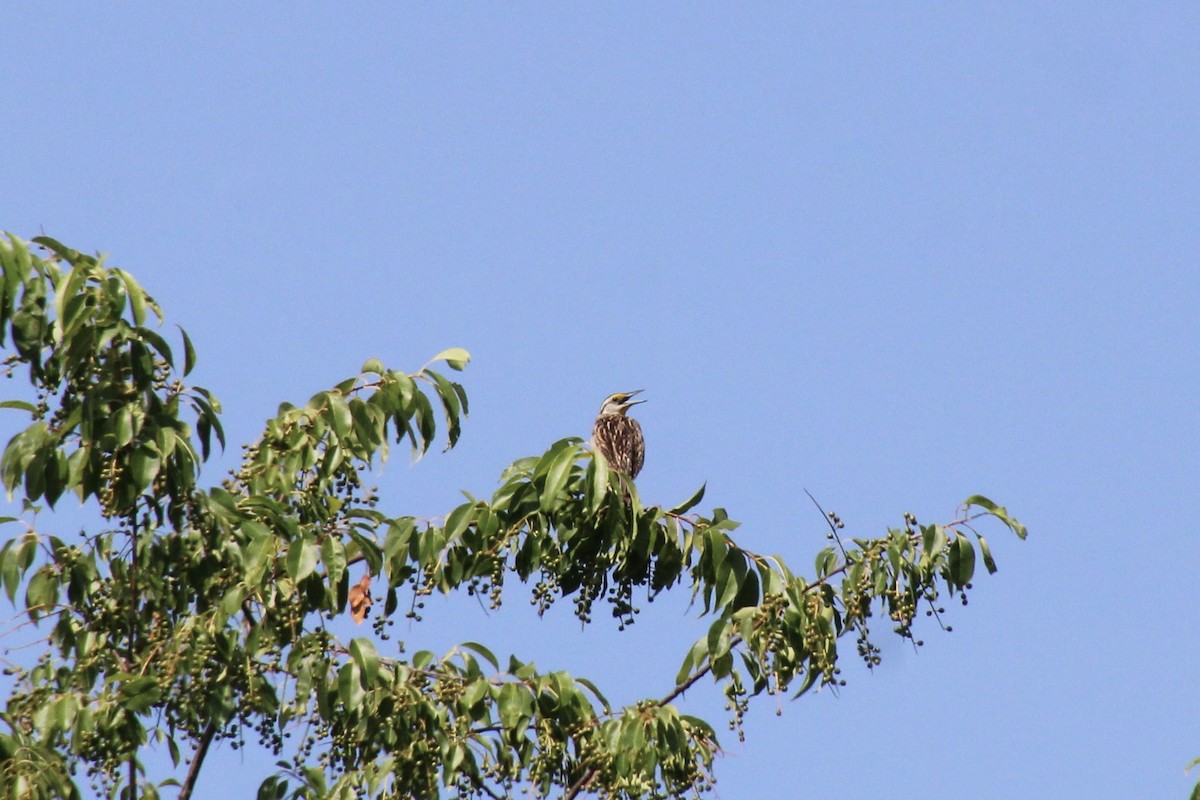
<point x="582" y="784"/>
<point x="189" y="783"/>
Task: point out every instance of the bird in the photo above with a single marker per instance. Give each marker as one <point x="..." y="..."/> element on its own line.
<point x="619" y="436"/>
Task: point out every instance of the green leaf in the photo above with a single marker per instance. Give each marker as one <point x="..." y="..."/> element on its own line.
<point x="596" y="692"/>
<point x="333" y="556"/>
<point x="455" y="357"/>
<point x="258" y="552"/>
<point x="458" y="521"/>
<point x="462" y="398"/>
<point x="349" y="686"/>
<point x="748" y="588"/>
<point x="72" y="317"/>
<point x="339" y="414"/>
<point x="450" y="407"/>
<point x="314" y="777"/>
<point x="727" y="583"/>
<point x="810" y="678"/>
<point x="42" y="592"/>
<point x="189" y="353"/>
<point x="719" y="639"/>
<point x="123" y="427"/>
<point x="173" y="751"/>
<point x="16" y="561"/>
<point x="452" y="760"/>
<point x="55" y="476"/>
<point x="963" y="561"/>
<point x="367" y="657"/>
<point x="68" y="290"/>
<point x="716" y="546"/>
<point x="482" y="652"/>
<point x="986" y="552"/>
<point x="140" y="694"/>
<point x="301" y="559"/>
<point x="158" y="343"/>
<point x="999" y="512"/>
<point x="137" y="297"/>
<point x="207" y="422"/>
<point x="691" y="502"/>
<point x="556" y="477"/>
<point x="633" y="736"/>
<point x="826" y="562"/>
<point x="233" y="599"/>
<point x="273" y="788"/>
<point x="144" y="465"/>
<point x="475" y="691"/>
<point x="933" y="542"/>
<point x="514" y="704"/>
<point x="597" y="481"/>
<point x="694" y="658"/>
<point x="373" y="365"/>
<point x="426" y="423"/>
<point x="700" y="725"/>
<point x="10" y="575"/>
<point x="19" y="404"/>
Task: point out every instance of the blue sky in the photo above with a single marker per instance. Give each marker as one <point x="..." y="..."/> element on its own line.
<point x="893" y="254"/>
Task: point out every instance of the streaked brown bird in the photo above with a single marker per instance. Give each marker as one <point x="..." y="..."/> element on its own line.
<point x="619" y="436"/>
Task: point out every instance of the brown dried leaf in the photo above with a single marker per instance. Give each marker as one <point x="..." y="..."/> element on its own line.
<point x="360" y="599"/>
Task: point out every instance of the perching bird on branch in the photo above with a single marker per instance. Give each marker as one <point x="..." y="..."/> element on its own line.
<point x="618" y="436"/>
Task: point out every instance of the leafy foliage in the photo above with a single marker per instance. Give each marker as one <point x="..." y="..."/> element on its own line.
<point x="198" y="614"/>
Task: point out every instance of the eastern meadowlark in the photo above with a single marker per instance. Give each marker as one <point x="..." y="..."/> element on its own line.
<point x="619" y="437"/>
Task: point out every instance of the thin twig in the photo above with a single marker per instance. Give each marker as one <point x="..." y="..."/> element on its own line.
<point x="485" y="788"/>
<point x="690" y="682"/>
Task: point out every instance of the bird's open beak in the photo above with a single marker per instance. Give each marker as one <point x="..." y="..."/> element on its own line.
<point x="629" y="402"/>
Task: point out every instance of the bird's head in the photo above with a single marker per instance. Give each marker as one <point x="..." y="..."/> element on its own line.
<point x="620" y="402"/>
